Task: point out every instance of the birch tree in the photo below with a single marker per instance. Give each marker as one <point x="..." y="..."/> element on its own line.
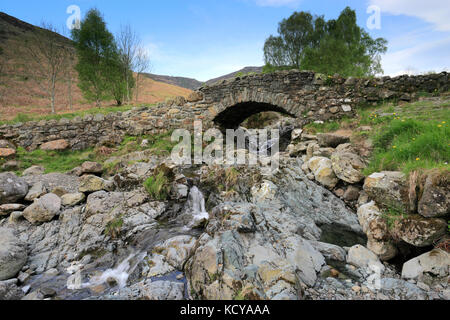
<point x="47" y="51"/>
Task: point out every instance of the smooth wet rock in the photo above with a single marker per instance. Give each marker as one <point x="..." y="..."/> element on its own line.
<point x="12" y="188"/>
<point x="178" y="250"/>
<point x="13" y="254"/>
<point x="43" y="209"/>
<point x="436" y="262"/>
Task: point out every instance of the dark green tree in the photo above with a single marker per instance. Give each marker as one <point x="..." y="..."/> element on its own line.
<point x="98" y="66"/>
<point x="334" y="46"/>
<point x="295" y="35"/>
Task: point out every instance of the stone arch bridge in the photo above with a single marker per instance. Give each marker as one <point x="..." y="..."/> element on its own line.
<point x="307" y="96"/>
<point x="304" y="95"/>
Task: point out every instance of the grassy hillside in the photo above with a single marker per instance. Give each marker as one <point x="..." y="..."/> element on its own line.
<point x="19" y="89"/>
<point x="407" y="137"/>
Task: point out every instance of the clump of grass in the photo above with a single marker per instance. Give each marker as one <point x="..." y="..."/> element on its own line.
<point x="330" y="126"/>
<point x="231" y="178"/>
<point x="22" y="117"/>
<point x="114" y="227"/>
<point x="410" y="145"/>
<point x="158" y="186"/>
<point x="391" y="215"/>
<point x="53" y="161"/>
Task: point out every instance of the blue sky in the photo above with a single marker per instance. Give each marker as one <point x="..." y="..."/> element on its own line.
<point x="204" y="39"/>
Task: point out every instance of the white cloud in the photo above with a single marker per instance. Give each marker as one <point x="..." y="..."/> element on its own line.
<point x="421" y="57"/>
<point x="436" y="12"/>
<point x="277" y="3"/>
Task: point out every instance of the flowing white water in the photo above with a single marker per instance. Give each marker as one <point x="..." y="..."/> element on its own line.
<point x="197" y="204"/>
<point x="120" y="274"/>
<point x="195" y="207"/>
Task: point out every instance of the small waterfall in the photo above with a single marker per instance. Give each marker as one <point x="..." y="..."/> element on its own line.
<point x="195" y="214"/>
<point x="196" y="207"/>
<point x="120" y="274"/>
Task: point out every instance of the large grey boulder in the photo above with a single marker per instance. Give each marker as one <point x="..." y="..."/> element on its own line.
<point x="43" y="209"/>
<point x="323" y="171"/>
<point x="375" y="227"/>
<point x="420" y="231"/>
<point x="435" y="200"/>
<point x="348" y="166"/>
<point x="36" y="191"/>
<point x="91" y="183"/>
<point x="12" y="188"/>
<point x="389" y="189"/>
<point x="13" y="254"/>
<point x="362" y="257"/>
<point x="331" y="139"/>
<point x="436" y="262"/>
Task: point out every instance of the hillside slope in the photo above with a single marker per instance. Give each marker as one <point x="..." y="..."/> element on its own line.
<point x="20" y="91"/>
<point x="188" y="83"/>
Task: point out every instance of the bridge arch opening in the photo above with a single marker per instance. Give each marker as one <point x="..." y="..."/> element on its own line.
<point x="257" y="115"/>
<point x="232" y="117"/>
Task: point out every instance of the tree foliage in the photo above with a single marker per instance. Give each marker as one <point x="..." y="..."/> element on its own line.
<point x="334" y="46"/>
<point x="99" y="67"/>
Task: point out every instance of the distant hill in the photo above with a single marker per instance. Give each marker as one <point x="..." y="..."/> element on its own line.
<point x="20" y="93"/>
<point x="187" y="83"/>
<point x="194" y="84"/>
<point x="234" y="74"/>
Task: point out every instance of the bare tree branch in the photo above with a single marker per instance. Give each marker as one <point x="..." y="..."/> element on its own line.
<point x="47" y="51"/>
<point x="128" y="43"/>
<point x="142" y="64"/>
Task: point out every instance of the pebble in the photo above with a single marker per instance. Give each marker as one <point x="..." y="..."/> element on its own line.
<point x="356" y="289"/>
